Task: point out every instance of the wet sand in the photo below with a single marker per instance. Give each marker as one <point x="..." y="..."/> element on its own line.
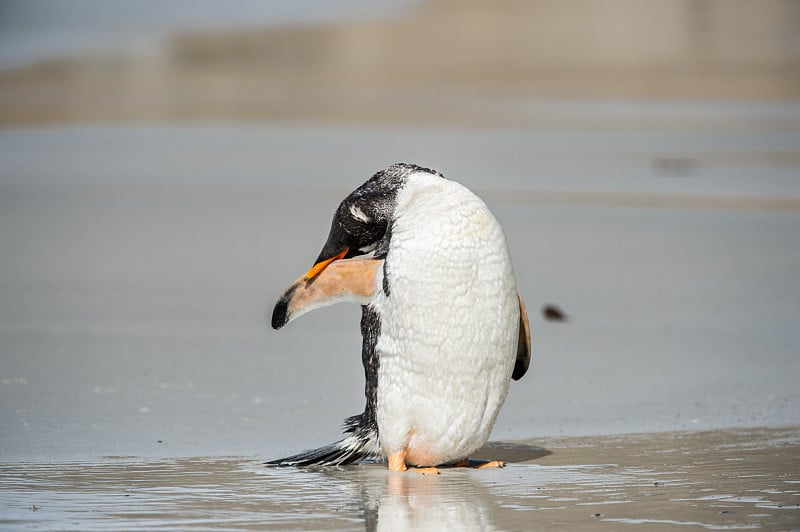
<point x="140" y="265"/>
<point x="720" y="480"/>
<point x="137" y="275"/>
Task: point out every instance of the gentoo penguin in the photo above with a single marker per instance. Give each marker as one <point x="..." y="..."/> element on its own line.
<point x="444" y="328"/>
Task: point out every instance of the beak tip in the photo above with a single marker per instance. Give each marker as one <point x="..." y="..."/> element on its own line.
<point x="280" y="314"/>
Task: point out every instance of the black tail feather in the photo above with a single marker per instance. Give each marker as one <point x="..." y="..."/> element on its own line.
<point x="338" y="453"/>
<point x="361" y="444"/>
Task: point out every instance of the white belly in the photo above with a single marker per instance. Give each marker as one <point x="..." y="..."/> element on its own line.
<point x="448" y="329"/>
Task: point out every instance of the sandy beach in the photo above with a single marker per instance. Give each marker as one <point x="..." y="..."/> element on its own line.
<point x="154" y="205"/>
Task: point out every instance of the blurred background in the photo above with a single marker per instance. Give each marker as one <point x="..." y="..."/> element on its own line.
<point x="438" y="62"/>
<point x="169" y="167"/>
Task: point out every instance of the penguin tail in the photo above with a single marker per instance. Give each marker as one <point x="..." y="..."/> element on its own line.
<point x="361" y="444"/>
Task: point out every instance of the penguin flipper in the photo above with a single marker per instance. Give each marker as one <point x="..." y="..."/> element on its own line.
<point x="523" y="344"/>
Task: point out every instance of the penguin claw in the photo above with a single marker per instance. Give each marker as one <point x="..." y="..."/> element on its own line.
<point x="426" y="470"/>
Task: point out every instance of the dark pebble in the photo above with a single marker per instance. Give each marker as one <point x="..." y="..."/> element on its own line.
<point x="553" y="313"/>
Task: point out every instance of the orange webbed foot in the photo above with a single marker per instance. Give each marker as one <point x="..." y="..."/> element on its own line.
<point x="493" y="463"/>
<point x="479" y="464"/>
<point x="397" y="461"/>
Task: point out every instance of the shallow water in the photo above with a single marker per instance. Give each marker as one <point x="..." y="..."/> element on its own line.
<point x="719" y="480"/>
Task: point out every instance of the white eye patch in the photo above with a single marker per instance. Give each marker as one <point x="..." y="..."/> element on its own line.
<point x="358" y="214"/>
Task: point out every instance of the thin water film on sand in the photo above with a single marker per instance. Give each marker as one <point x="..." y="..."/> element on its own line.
<point x="714" y="480"/>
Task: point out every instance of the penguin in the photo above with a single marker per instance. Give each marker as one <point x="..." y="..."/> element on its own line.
<point x="444" y="328"/>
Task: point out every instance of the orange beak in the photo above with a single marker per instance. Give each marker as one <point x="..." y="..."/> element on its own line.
<point x="321" y="265"/>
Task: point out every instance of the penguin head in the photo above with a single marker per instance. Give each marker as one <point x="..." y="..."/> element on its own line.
<point x="361" y="225"/>
<point x="363" y="219"/>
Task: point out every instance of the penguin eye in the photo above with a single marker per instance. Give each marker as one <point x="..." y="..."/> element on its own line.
<point x="363" y="218"/>
<point x="365" y="236"/>
<point x="362" y="228"/>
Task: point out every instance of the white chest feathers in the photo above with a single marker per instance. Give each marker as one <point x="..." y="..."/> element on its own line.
<point x="449" y="323"/>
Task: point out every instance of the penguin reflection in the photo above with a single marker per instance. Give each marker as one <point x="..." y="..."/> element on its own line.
<point x="455" y="500"/>
<point x="458" y="499"/>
